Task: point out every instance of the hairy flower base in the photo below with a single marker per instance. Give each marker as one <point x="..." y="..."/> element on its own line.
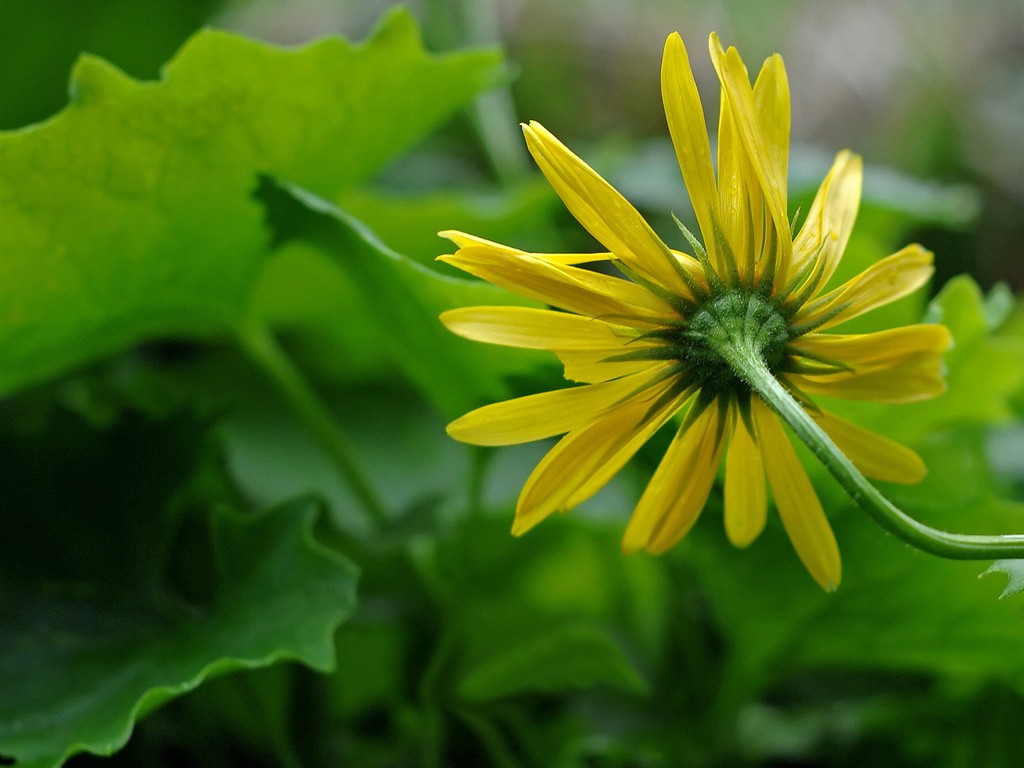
<point x="725" y="320"/>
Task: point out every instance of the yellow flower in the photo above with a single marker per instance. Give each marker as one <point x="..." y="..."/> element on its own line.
<point x="652" y="344"/>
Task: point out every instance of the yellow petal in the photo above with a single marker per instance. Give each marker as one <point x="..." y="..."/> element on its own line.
<point x="592" y="365"/>
<point x="582" y="291"/>
<point x="464" y="240"/>
<point x="894" y="366"/>
<point x="879" y="349"/>
<point x="575" y="258"/>
<point x="912" y="380"/>
<point x="685" y="116"/>
<point x="745" y="497"/>
<point x="876" y="456"/>
<point x="738" y="207"/>
<point x="597" y="450"/>
<point x="602" y="211"/>
<point x="535" y="328"/>
<point x="830" y="219"/>
<point x="798" y="504"/>
<point x="606" y="471"/>
<point x="771" y="100"/>
<point x="679" y="488"/>
<point x="891" y="278"/>
<point x="764" y="160"/>
<point x="535" y="417"/>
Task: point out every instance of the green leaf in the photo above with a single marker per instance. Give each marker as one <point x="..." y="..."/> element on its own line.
<point x="896" y="609"/>
<point x="316" y="307"/>
<point x="531" y="615"/>
<point x="403" y="300"/>
<point x="272" y="457"/>
<point x="522" y="217"/>
<point x="562" y="658"/>
<point x="129" y="215"/>
<point x="111" y="607"/>
<point x="1014" y="571"/>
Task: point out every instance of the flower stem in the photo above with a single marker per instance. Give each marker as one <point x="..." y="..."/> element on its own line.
<point x="746" y="361"/>
<point x="261" y="346"/>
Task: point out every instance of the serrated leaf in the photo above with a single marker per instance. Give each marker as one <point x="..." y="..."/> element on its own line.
<point x="111" y="606"/>
<point x="129" y="215"/>
<point x="1014" y="571"/>
<point x="560" y="659"/>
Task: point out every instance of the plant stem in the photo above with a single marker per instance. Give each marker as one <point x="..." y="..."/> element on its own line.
<point x="261" y="346"/>
<point x="494" y="112"/>
<point x="748" y="364"/>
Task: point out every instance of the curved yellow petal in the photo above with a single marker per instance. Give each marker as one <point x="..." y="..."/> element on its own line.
<point x="685" y="116"/>
<point x="891" y="278"/>
<point x="535" y="328"/>
<point x="465" y="240"/>
<point x="913" y="379"/>
<point x="876" y="456"/>
<point x="831" y="216"/>
<point x="749" y="122"/>
<point x="798" y="504"/>
<point x="602" y="211"/>
<point x="745" y="497"/>
<point x="535" y="417"/>
<point x="582" y="291"/>
<point x="593" y="365"/>
<point x="895" y="366"/>
<point x="679" y="488"/>
<point x="606" y="471"/>
<point x="597" y="450"/>
<point x="881" y="348"/>
<point x="771" y="100"/>
<point x="575" y="258"/>
<point x="738" y="207"/>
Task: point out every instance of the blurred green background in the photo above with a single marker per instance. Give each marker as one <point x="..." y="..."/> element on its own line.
<point x="459" y="645"/>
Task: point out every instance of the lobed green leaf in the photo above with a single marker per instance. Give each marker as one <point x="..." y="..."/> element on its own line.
<point x="129" y="215"/>
<point x="114" y="602"/>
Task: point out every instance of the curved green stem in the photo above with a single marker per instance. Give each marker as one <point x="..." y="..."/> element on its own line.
<point x="261" y="346"/>
<point x="744" y="358"/>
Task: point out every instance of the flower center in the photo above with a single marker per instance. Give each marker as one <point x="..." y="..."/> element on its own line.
<point x="729" y="324"/>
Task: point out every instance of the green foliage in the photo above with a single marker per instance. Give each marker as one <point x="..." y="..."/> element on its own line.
<point x="130" y="214"/>
<point x="178" y="521"/>
<point x="112" y="606"/>
<point x="557" y="660"/>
